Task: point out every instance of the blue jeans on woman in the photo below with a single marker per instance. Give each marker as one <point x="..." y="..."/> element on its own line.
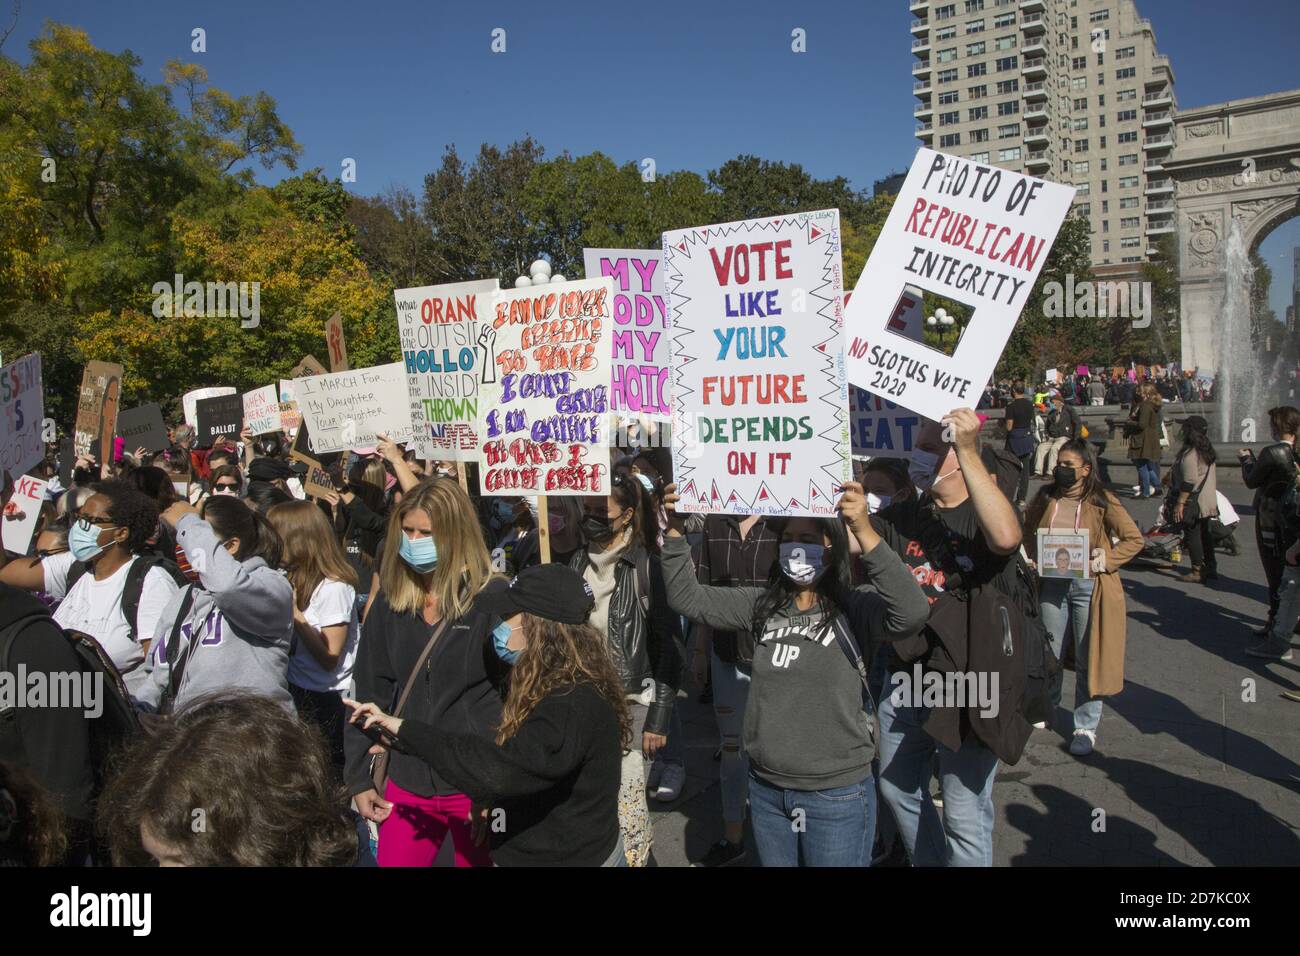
<point x="964" y="837"/>
<point x="1062" y="603"/>
<point x="833" y="827"/>
<point x="1148" y="476"/>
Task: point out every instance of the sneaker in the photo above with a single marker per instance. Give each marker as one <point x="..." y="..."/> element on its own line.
<point x="1137" y="491"/>
<point x="722" y="853"/>
<point x="671" y="783"/>
<point x="652" y="778"/>
<point x="1040" y="725"/>
<point x="1082" y="743"/>
<point x="1271" y="651"/>
<point x="1292" y="695"/>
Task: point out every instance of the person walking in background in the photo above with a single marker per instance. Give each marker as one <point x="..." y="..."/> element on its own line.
<point x="1020" y="438"/>
<point x="1269" y="474"/>
<point x="1143" y="432"/>
<point x="1062" y="426"/>
<point x="1193" y="501"/>
<point x="1096" y="392"/>
<point x="1093" y="606"/>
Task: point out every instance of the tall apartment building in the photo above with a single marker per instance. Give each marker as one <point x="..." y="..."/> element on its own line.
<point x="1068" y="90"/>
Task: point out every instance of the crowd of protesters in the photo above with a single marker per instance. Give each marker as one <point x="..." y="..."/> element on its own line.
<point x="359" y="676"/>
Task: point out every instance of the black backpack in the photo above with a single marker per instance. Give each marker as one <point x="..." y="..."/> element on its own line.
<point x="118" y="723"/>
<point x="134" y="585"/>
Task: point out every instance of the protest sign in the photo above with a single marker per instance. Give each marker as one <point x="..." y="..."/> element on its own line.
<point x="1063" y="554"/>
<point x="143" y="427"/>
<point x="973" y="234"/>
<point x="317" y="481"/>
<point x="190" y="400"/>
<point x="439" y="327"/>
<point x="338" y="348"/>
<point x="22" y="512"/>
<point x="262" y="410"/>
<point x="642" y="353"/>
<point x="218" y="417"/>
<point x="879" y="428"/>
<point x="308" y="366"/>
<point x="346" y="410"/>
<point x="289" y="416"/>
<point x="287" y="392"/>
<point x="760" y="404"/>
<point x="22" y="410"/>
<point x="544" y="394"/>
<point x="101" y="385"/>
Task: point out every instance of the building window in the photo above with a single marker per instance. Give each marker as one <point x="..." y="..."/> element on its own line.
<point x="1010" y="131"/>
<point x="1084" y="209"/>
<point x="1005" y="43"/>
<point x="947" y="99"/>
<point x="944" y="33"/>
<point x="1009" y="155"/>
<point x="979" y="157"/>
<point x="1007" y="63"/>
<point x="978" y="113"/>
<point x="974" y="6"/>
<point x="950" y="119"/>
<point x="1125" y="53"/>
<point x="1129" y="242"/>
<point x="1105" y="206"/>
<point x="1127" y="73"/>
<point x="1079" y="83"/>
<point x="946" y="55"/>
<point x="1125" y="96"/>
<point x="1081" y="103"/>
<point x="1009" y="108"/>
<point x="976" y="69"/>
<point x="949" y="140"/>
<point x="948" y="75"/>
<point x="1080" y="145"/>
<point x="1128" y="137"/>
<point x="1126" y="116"/>
<point x="946" y="13"/>
<point x="1008" y="86"/>
<point x="1130" y="202"/>
<point x="1082" y="189"/>
<point x="979" y="135"/>
<point x="1128" y="182"/>
<point x="1079" y="63"/>
<point x="975" y="49"/>
<point x="977" y="92"/>
<point x="1082" y="167"/>
<point x="1003" y="20"/>
<point x="975" y="26"/>
<point x="1098" y="16"/>
<point x="1130" y="222"/>
<point x="1080" y="122"/>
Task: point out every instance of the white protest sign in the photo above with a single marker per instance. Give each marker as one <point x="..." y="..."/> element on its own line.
<point x="543" y="427"/>
<point x="190" y="400"/>
<point x="760" y="417"/>
<point x="438" y="326"/>
<point x="287" y="392"/>
<point x="22" y="409"/>
<point x="21" y="513"/>
<point x="975" y="234"/>
<point x="642" y="354"/>
<point x="344" y="410"/>
<point x="262" y="410"/>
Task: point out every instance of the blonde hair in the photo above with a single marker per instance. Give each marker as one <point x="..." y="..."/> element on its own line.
<point x="310" y="553"/>
<point x="464" y="565"/>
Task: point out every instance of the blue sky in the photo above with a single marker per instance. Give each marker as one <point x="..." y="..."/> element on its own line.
<point x="390" y="83"/>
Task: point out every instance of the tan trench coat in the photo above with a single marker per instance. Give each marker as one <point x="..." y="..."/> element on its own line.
<point x="1107" y="624"/>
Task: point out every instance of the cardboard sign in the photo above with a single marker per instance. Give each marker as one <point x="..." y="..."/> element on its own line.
<point x="101" y="386"/>
<point x="22" y="410"/>
<point x="346" y="410"/>
<point x="338" y="348"/>
<point x="143" y="427"/>
<point x="975" y="234"/>
<point x="218" y="417"/>
<point x="1064" y="554"/>
<point x="439" y="328"/>
<point x="289" y="416"/>
<point x="308" y="366"/>
<point x="262" y="410"/>
<point x="22" y="513"/>
<point x="545" y="391"/>
<point x="641" y="349"/>
<point x="317" y="481"/>
<point x="879" y="428"/>
<point x="760" y="404"/>
<point x="190" y="400"/>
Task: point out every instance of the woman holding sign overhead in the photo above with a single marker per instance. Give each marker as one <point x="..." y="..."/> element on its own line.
<point x="809" y="723"/>
<point x="1077" y="506"/>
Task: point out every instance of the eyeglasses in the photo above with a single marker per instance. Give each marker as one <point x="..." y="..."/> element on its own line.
<point x="85" y="522"/>
<point x="44" y="553"/>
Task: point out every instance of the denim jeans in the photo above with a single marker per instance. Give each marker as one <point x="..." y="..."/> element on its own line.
<point x="730" y="692"/>
<point x="964" y="837"/>
<point x="813" y="827"/>
<point x="1062" y="603"/>
<point x="1148" y="476"/>
<point x="1288" y="607"/>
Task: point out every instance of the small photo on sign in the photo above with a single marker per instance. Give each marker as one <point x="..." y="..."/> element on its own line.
<point x="1063" y="554"/>
<point x="944" y="320"/>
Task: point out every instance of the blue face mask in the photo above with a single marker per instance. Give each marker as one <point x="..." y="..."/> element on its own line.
<point x="85" y="545"/>
<point x="420" y="555"/>
<point x="500" y="635"/>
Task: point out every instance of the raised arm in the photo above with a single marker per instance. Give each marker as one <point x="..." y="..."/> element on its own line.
<point x="995" y="514"/>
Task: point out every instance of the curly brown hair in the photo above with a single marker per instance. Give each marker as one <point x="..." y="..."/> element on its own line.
<point x="31" y="826"/>
<point x="262" y="779"/>
<point x="559" y="656"/>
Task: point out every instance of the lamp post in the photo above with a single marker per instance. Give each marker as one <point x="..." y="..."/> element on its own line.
<point x="539" y="273"/>
<point x="942" y="321"/>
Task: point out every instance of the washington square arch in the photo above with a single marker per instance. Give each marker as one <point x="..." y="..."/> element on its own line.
<point x="1237" y="160"/>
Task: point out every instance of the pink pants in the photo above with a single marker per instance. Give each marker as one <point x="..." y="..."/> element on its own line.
<point x="413" y="833"/>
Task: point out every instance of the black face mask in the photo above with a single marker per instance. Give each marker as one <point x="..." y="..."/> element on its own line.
<point x="1064" y="476"/>
<point x="597" y="528"/>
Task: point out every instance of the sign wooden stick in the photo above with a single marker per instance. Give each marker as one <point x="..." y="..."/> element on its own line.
<point x="543" y="531"/>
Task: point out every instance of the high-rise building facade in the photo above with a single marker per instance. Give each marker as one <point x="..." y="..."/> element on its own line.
<point x="1069" y="90"/>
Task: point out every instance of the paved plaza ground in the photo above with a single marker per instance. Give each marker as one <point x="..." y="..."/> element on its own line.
<point x="1186" y="771"/>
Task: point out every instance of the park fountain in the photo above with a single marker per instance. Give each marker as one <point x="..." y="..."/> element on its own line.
<point x="1248" y="375"/>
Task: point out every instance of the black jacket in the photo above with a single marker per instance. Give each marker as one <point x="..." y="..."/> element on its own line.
<point x="1270" y="472"/>
<point x="460" y="690"/>
<point x="644" y="634"/>
<point x="552" y="787"/>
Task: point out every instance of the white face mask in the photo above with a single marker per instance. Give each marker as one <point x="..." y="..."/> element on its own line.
<point x="876" y="502"/>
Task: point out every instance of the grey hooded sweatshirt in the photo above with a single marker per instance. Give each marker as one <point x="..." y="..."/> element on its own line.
<point x="807" y="726"/>
<point x="242" y="618"/>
